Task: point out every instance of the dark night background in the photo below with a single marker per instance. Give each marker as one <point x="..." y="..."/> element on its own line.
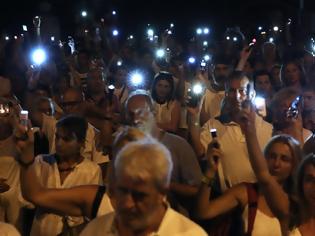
<point x="185" y="14"/>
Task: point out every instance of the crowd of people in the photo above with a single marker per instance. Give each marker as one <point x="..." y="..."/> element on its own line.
<point x="155" y="136"/>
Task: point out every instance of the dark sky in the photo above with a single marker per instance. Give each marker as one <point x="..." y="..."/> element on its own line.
<point x="133" y="12"/>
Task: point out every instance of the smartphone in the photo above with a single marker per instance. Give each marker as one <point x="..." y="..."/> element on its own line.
<point x="293" y="111"/>
<point x="260" y="105"/>
<point x="215" y="143"/>
<point x="24" y="118"/>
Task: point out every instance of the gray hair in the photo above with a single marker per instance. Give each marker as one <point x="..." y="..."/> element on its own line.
<point x="145" y="160"/>
<point x="142" y="93"/>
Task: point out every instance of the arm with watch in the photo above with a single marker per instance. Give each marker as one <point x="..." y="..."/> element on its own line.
<point x="233" y="197"/>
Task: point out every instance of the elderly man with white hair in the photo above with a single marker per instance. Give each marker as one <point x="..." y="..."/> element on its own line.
<point x="142" y="177"/>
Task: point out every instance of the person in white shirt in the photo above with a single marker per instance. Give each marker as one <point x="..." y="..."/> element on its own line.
<point x="234" y="165"/>
<point x="64" y="169"/>
<point x="142" y="176"/>
<point x="8" y="230"/>
<point x="167" y="108"/>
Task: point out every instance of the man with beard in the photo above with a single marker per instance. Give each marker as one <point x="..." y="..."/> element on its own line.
<point x="234" y="166"/>
<point x="215" y="93"/>
<point x="142" y="177"/>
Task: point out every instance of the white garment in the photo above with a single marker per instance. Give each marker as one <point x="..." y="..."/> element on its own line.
<point x="121" y="94"/>
<point x="12" y="200"/>
<point x="89" y="152"/>
<point x="211" y="103"/>
<point x="46" y="168"/>
<point x="235" y="161"/>
<point x="8" y="230"/>
<point x="173" y="224"/>
<point x="295" y="232"/>
<point x="163" y="112"/>
<point x="105" y="206"/>
<point x="263" y="224"/>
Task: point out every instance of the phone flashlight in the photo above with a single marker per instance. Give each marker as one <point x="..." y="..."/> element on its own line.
<point x="24" y="27"/>
<point x="160" y="53"/>
<point x="52" y="38"/>
<point x="24" y="118"/>
<point x="191" y="60"/>
<point x="136" y="79"/>
<point x="260" y="105"/>
<point x="206" y="30"/>
<point x="169" y="32"/>
<point x="194" y="95"/>
<point x="84" y="13"/>
<point x="150" y="32"/>
<point x="7" y="38"/>
<point x="119" y="63"/>
<point x="199" y="31"/>
<point x="293" y="111"/>
<point x="115" y="32"/>
<point x="4" y="109"/>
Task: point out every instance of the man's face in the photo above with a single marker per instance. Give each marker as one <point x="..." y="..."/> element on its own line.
<point x="135" y="108"/>
<point x="221" y="73"/>
<point x="137" y="202"/>
<point x="66" y="145"/>
<point x="263" y="85"/>
<point x="45" y="107"/>
<point x="95" y="82"/>
<point x="235" y="94"/>
<point x="71" y="102"/>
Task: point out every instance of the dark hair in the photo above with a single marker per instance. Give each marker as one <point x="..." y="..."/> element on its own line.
<point x="163" y="75"/>
<point x="235" y="75"/>
<point x="73" y="124"/>
<point x="301" y="69"/>
<point x="307" y="161"/>
<point x="261" y="73"/>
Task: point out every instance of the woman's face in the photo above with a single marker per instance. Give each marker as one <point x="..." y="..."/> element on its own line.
<point x="279" y="161"/>
<point x="309" y="185"/>
<point x="292" y="74"/>
<point x="163" y="89"/>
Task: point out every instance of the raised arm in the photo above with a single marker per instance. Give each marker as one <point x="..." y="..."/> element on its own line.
<point x="75" y="201"/>
<point x="276" y="197"/>
<point x="232" y="198"/>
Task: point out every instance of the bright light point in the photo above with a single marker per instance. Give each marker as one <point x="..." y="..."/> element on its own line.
<point x="7" y="38"/>
<point x="38" y="56"/>
<point x="150" y="32"/>
<point x="254" y="40"/>
<point x="22" y="35"/>
<point x="15" y="37"/>
<point x="151" y="39"/>
<point x="119" y="63"/>
<point x="227" y="37"/>
<point x="271" y="39"/>
<point x="203" y="64"/>
<point x="24" y="27"/>
<point x="199" y="31"/>
<point x="259" y="28"/>
<point x="115" y="32"/>
<point x="114" y="13"/>
<point x="206" y="30"/>
<point x="83" y="13"/>
<point x="52" y="38"/>
<point x="131" y="37"/>
<point x="192" y="60"/>
<point x="160" y="53"/>
<point x="86" y="31"/>
<point x="197" y="89"/>
<point x="206" y="57"/>
<point x="275" y="28"/>
<point x="205" y="43"/>
<point x="171" y="25"/>
<point x="136" y="78"/>
<point x="169" y="32"/>
<point x="263" y="32"/>
<point x="234" y="39"/>
<point x="259" y="101"/>
<point x="111" y="87"/>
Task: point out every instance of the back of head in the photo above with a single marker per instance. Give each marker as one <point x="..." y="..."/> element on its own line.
<point x="282" y="95"/>
<point x="145" y="160"/>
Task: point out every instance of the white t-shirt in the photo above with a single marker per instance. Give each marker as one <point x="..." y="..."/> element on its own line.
<point x="164" y="111"/>
<point x="46" y="168"/>
<point x="173" y="224"/>
<point x="235" y="161"/>
<point x="261" y="221"/>
<point x="89" y="152"/>
<point x="211" y="103"/>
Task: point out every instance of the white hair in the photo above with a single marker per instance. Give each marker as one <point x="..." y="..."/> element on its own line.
<point x="145" y="160"/>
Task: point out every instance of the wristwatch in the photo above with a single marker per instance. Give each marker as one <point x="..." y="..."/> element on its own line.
<point x="208" y="181"/>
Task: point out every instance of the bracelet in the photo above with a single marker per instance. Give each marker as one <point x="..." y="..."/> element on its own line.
<point x="208" y="181"/>
<point x="26" y="164"/>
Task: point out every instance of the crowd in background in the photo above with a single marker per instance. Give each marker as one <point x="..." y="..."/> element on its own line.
<point x="152" y="134"/>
